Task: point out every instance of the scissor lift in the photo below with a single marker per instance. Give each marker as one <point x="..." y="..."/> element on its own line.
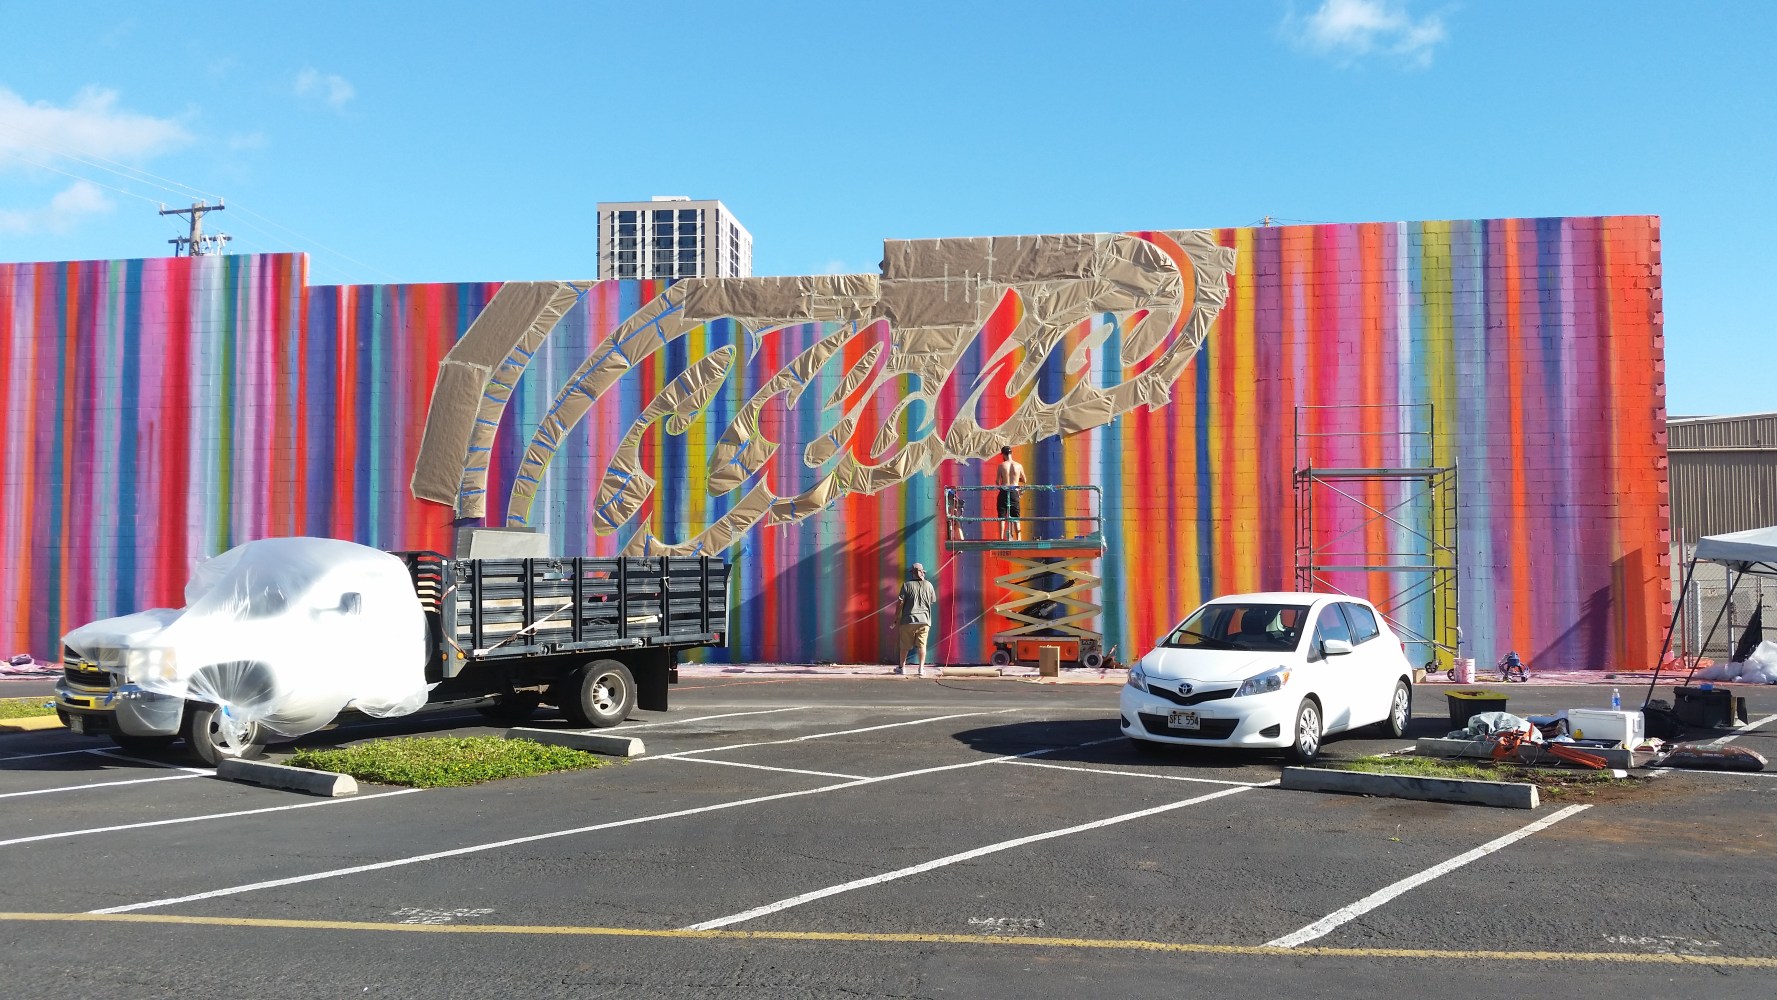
<point x="1049" y="596"/>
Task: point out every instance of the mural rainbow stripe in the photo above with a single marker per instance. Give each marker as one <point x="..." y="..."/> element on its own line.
<point x="158" y="411"/>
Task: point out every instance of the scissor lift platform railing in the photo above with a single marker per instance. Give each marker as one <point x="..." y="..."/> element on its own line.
<point x="1048" y="595"/>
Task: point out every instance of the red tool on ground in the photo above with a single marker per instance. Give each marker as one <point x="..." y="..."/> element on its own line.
<point x="1508" y="744"/>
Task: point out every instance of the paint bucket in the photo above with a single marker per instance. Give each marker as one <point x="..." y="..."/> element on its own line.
<point x="1465" y="671"/>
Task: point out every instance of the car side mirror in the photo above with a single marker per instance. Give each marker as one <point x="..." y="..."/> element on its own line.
<point x="1335" y="647"/>
<point x="351" y="603"/>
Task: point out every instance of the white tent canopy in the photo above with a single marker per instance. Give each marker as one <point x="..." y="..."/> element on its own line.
<point x="1753" y="551"/>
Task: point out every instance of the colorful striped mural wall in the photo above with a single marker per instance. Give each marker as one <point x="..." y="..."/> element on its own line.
<point x="158" y="411"/>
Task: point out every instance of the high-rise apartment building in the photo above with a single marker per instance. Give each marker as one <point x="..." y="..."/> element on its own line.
<point x="672" y="238"/>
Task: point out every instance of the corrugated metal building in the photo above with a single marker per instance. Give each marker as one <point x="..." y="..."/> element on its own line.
<point x="1724" y="474"/>
<point x="1724" y="478"/>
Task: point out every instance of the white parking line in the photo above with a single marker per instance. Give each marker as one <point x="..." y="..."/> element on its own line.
<point x="1004" y="845"/>
<point x="153" y="763"/>
<point x="705" y="718"/>
<point x="1326" y="924"/>
<point x="58" y="753"/>
<point x="533" y="838"/>
<point x="762" y="767"/>
<point x="1742" y="731"/>
<point x="822" y="736"/>
<point x="200" y="819"/>
<point x="99" y="784"/>
<point x="1138" y="774"/>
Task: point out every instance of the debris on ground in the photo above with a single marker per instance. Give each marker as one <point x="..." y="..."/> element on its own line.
<point x="1706" y="757"/>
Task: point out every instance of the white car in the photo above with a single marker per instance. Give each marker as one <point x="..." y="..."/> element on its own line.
<point x="1270" y="670"/>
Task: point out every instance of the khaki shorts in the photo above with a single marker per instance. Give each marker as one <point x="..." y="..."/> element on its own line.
<point x="913" y="637"/>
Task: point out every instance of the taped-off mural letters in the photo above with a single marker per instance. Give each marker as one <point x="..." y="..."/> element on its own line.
<point x="1027" y="305"/>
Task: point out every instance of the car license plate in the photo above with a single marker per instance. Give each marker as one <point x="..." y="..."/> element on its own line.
<point x="76" y="724"/>
<point x="1184" y="720"/>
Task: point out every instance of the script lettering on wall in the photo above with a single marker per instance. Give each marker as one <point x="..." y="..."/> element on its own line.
<point x="959" y="347"/>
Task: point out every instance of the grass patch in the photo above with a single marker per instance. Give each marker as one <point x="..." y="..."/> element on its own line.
<point x="25" y="708"/>
<point x="1553" y="781"/>
<point x="441" y="761"/>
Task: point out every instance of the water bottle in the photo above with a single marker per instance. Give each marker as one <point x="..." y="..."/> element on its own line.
<point x="1616" y="699"/>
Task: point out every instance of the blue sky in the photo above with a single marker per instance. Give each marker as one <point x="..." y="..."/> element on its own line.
<point x="444" y="141"/>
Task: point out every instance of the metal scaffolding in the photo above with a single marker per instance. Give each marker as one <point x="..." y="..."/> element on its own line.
<point x="1410" y="498"/>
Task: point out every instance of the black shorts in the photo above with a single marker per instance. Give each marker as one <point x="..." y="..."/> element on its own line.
<point x="1007" y="504"/>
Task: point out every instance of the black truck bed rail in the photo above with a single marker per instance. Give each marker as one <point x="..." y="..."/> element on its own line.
<point x="483" y="609"/>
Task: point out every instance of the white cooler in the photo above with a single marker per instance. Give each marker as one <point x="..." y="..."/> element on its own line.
<point x="1602" y="724"/>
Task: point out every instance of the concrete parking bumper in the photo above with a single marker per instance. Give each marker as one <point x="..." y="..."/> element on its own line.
<point x="295" y="779"/>
<point x="30" y="724"/>
<point x="599" y="743"/>
<point x="1510" y="795"/>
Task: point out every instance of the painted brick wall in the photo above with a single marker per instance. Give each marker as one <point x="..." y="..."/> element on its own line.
<point x="158" y="411"/>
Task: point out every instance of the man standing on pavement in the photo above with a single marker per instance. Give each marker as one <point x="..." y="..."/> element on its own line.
<point x="915" y="619"/>
<point x="1009" y="476"/>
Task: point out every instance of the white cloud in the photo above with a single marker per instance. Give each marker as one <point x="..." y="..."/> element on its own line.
<point x="1349" y="30"/>
<point x="91" y="125"/>
<point x="835" y="267"/>
<point x="72" y="204"/>
<point x="329" y="87"/>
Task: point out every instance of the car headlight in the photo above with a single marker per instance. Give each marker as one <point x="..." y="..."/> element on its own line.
<point x="1137" y="679"/>
<point x="152" y="665"/>
<point x="1265" y="683"/>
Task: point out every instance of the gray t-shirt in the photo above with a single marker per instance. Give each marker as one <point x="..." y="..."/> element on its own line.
<point x="917" y="598"/>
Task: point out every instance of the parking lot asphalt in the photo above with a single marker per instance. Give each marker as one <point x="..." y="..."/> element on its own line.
<point x="792" y="836"/>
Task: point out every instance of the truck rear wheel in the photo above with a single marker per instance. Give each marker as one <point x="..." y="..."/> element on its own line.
<point x="598" y="695"/>
<point x="214" y="736"/>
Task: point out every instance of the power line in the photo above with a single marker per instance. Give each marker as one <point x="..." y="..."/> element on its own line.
<point x="123" y="170"/>
<point x="168" y="184"/>
<point x="197" y="244"/>
<point x="319" y="244"/>
<point x="87" y="180"/>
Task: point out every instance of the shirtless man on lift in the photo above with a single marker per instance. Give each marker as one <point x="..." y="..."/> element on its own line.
<point x="1008" y="476"/>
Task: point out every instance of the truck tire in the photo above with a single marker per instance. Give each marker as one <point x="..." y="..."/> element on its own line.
<point x="512" y="708"/>
<point x="140" y="744"/>
<point x="213" y="736"/>
<point x="598" y="695"/>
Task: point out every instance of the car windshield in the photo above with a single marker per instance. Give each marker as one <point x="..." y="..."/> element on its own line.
<point x="1241" y="626"/>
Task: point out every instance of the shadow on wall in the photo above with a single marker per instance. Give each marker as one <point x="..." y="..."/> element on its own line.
<point x="1590" y="631"/>
<point x="856" y="620"/>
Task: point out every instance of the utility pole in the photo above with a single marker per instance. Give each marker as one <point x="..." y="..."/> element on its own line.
<point x="197" y="244"/>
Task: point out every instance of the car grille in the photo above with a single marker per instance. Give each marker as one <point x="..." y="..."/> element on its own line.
<point x="1196" y="698"/>
<point x="87" y="677"/>
<point x="1211" y="729"/>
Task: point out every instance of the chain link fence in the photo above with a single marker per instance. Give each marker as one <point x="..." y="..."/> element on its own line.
<point x="1709" y="597"/>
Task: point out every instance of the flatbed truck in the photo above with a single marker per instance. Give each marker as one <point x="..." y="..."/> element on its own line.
<point x="595" y="637"/>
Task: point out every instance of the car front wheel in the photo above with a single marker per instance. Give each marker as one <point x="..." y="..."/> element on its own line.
<point x="213" y="735"/>
<point x="1400" y="711"/>
<point x="1308" y="731"/>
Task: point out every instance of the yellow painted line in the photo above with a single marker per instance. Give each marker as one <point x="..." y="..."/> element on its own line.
<point x="31" y="724"/>
<point x="1182" y="947"/>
